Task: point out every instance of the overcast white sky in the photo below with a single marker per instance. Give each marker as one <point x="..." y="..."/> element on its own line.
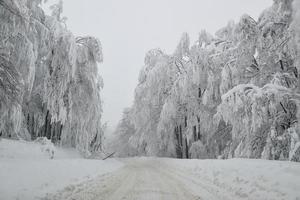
<point x="127" y="29"/>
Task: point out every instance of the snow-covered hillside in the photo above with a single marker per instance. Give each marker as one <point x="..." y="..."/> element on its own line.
<point x="27" y="172"/>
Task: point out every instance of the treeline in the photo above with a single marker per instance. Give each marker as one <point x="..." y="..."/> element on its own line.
<point x="235" y="94"/>
<point x="49" y="80"/>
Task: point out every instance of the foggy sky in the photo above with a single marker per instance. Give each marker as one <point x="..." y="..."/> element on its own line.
<point x="127" y="29"/>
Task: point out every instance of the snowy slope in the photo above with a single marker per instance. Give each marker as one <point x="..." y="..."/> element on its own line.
<point x="26" y="172"/>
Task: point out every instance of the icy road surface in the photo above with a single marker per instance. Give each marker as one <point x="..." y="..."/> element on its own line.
<point x="157" y="178"/>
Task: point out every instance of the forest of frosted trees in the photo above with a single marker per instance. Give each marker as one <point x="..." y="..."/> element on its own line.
<point x="49" y="79"/>
<point x="232" y="94"/>
<point x="235" y="94"/>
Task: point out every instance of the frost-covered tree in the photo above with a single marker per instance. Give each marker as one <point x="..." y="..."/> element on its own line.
<point x="235" y="94"/>
<point x="154" y="84"/>
<point x="83" y="125"/>
<point x="122" y="134"/>
<point x="50" y="83"/>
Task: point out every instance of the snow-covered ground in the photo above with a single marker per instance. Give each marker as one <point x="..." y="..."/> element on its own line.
<point x="252" y="179"/>
<point x="164" y="178"/>
<point x="27" y="172"/>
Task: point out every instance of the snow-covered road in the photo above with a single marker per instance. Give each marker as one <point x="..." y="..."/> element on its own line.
<point x="27" y="173"/>
<point x="138" y="179"/>
<point x="154" y="179"/>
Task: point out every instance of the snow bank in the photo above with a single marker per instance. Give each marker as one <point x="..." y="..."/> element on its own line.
<point x="244" y="178"/>
<point x="46" y="146"/>
<point x="18" y="149"/>
<point x="26" y="172"/>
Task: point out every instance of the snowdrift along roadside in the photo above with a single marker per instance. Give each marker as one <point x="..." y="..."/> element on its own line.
<point x="252" y="179"/>
<point x="26" y="172"/>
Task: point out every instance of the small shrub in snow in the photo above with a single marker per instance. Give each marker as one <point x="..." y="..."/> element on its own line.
<point x="46" y="146"/>
<point x="198" y="150"/>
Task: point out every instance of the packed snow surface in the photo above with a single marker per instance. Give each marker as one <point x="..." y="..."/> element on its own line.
<point x="27" y="171"/>
<point x="164" y="178"/>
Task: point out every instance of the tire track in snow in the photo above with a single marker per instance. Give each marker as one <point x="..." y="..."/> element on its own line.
<point x="143" y="179"/>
